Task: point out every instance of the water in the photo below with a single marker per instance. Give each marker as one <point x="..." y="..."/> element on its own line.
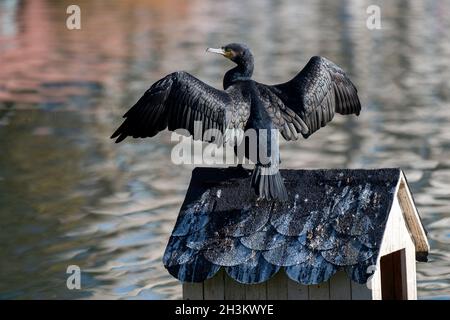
<point x="68" y="195"/>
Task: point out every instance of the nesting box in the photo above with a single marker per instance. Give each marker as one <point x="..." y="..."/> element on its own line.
<point x="343" y="234"/>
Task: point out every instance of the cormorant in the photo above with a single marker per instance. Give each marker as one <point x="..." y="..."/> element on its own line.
<point x="300" y="106"/>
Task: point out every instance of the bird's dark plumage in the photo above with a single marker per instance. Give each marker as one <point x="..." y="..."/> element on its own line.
<point x="316" y="93"/>
<point x="179" y="99"/>
<point x="300" y="106"/>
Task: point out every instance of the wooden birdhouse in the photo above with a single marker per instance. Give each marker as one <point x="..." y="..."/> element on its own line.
<point x="343" y="234"/>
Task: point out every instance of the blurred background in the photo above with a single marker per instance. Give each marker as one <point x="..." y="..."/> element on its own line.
<point x="69" y="195"/>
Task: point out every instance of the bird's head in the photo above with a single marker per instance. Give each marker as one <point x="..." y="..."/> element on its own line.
<point x="236" y="52"/>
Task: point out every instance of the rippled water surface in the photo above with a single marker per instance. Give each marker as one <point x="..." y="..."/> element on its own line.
<point x="68" y="195"/>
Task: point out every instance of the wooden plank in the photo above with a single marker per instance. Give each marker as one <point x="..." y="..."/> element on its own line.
<point x="399" y="272"/>
<point x="387" y="277"/>
<point x="296" y="291"/>
<point x="414" y="239"/>
<point x="398" y="237"/>
<point x="393" y="234"/>
<point x="412" y="216"/>
<point x="408" y="262"/>
<point x="320" y="291"/>
<point x="393" y="276"/>
<point x="277" y="287"/>
<point x="256" y="291"/>
<point x="192" y="291"/>
<point x="404" y="275"/>
<point x="360" y="291"/>
<point x="410" y="266"/>
<point x="340" y="287"/>
<point x="233" y="289"/>
<point x="214" y="288"/>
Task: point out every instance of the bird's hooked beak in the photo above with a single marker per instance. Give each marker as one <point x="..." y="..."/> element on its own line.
<point x="218" y="51"/>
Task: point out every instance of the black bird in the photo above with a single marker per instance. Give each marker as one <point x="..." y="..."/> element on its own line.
<point x="300" y="106"/>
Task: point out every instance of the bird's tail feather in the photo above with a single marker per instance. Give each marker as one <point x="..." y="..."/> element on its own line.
<point x="268" y="183"/>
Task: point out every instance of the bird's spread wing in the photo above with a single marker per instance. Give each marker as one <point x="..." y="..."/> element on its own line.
<point x="181" y="101"/>
<point x="313" y="95"/>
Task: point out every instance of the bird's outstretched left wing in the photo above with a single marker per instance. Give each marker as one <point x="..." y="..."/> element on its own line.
<point x="179" y="100"/>
<point x="314" y="95"/>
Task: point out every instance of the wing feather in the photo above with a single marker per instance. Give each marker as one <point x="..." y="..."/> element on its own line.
<point x="313" y="96"/>
<point x="176" y="102"/>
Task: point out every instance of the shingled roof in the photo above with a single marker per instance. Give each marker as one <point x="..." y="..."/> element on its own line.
<point x="334" y="220"/>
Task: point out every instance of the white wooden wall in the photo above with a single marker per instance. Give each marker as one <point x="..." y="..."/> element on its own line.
<point x="280" y="287"/>
<point x="397" y="237"/>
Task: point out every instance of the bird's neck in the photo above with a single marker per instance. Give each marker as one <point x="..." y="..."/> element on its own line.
<point x="241" y="72"/>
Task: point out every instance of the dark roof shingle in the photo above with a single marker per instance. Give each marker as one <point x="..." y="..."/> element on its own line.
<point x="334" y="219"/>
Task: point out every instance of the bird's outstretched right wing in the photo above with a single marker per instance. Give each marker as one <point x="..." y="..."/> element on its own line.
<point x="319" y="90"/>
<point x="181" y="101"/>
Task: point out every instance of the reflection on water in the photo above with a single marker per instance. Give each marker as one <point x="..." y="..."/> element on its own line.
<point x="68" y="195"/>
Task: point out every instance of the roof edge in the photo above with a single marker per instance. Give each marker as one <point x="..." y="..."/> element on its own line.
<point x="412" y="218"/>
